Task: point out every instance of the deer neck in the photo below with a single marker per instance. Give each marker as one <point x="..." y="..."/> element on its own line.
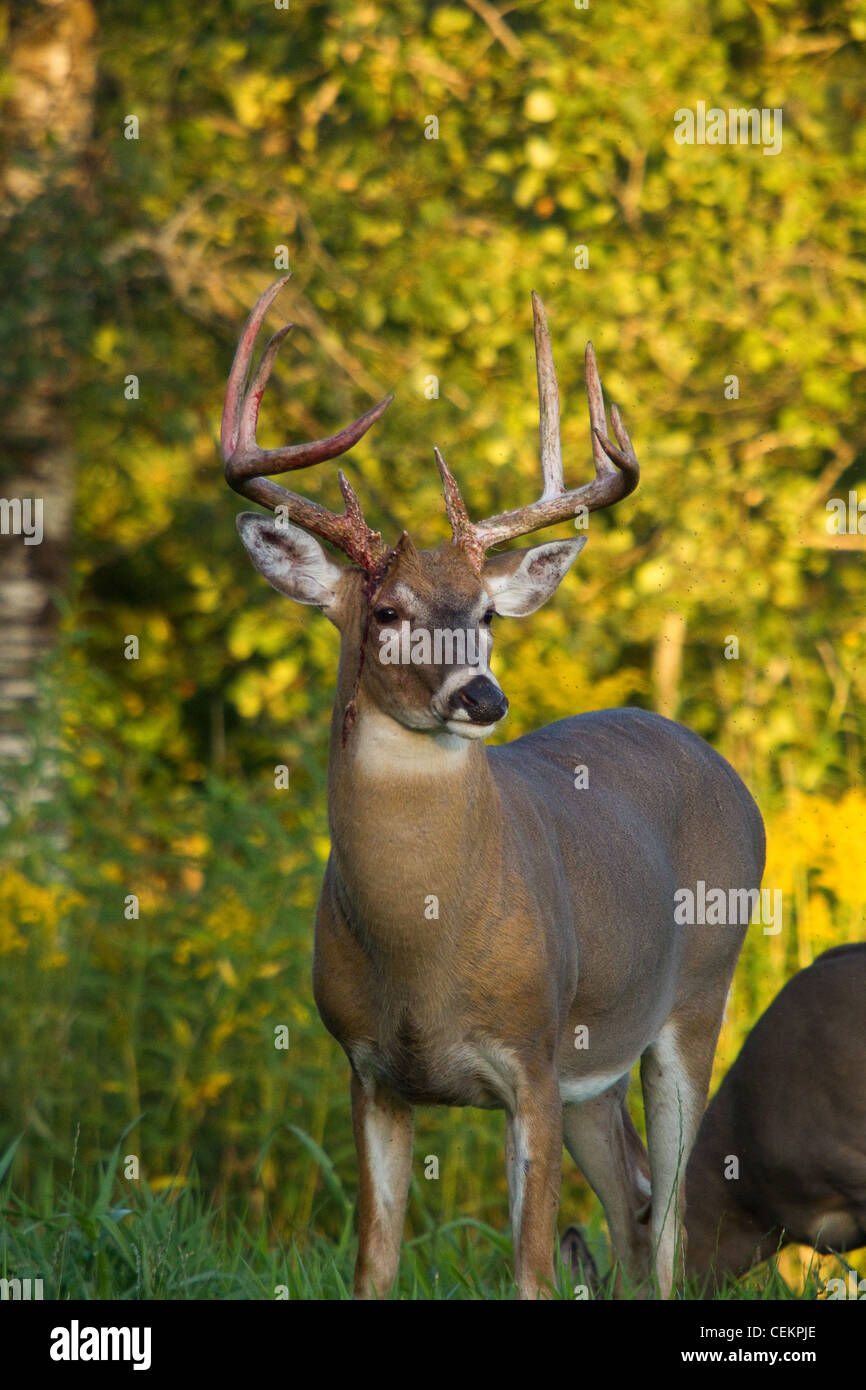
<point x="416" y="832"/>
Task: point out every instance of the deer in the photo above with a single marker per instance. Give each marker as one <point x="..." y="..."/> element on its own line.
<point x="487" y="934"/>
<point x="791" y="1112"/>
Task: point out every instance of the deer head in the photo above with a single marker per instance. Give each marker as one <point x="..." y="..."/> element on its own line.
<point x="390" y="596"/>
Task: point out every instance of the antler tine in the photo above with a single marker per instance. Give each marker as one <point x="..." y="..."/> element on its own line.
<point x="246" y="444"/>
<point x="597" y="412"/>
<point x="625" y="455"/>
<point x="548" y="405"/>
<point x="462" y="529"/>
<point x="616" y="469"/>
<point x="454" y="504"/>
<point x="246" y="463"/>
<point x="235" y="399"/>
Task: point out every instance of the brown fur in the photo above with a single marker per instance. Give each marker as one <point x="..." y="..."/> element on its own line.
<point x="792" y="1110"/>
<point x="556" y="909"/>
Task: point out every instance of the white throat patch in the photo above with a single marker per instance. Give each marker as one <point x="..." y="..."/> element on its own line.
<point x="383" y="748"/>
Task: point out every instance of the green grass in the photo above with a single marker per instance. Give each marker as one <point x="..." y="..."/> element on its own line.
<point x="106" y="1238"/>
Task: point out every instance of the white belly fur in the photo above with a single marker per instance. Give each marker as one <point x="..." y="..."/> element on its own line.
<point x="575" y="1090"/>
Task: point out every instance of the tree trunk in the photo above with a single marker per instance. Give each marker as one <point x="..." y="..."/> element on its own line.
<point x="668" y="664"/>
<point x="47" y="122"/>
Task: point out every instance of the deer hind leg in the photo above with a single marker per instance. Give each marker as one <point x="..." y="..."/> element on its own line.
<point x="675" y="1075"/>
<point x="607" y="1149"/>
<point x="383" y="1128"/>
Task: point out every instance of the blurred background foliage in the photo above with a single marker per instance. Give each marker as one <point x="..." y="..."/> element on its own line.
<point x="305" y="128"/>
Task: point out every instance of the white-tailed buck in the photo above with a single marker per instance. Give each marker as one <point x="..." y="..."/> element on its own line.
<point x="490" y="933"/>
<point x="781" y="1152"/>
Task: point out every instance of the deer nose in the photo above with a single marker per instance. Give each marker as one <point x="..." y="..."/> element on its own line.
<point x="481" y="699"/>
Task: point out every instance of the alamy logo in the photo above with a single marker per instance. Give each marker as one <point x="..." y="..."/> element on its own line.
<point x="715" y="907"/>
<point x="75" y="1343"/>
<point x="847" y="520"/>
<point x="855" y="1289"/>
<point x="22" y="516"/>
<point x="23" y="1289"/>
<point x="737" y="126"/>
<point x="444" y="646"/>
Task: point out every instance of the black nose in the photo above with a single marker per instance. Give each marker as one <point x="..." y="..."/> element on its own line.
<point x="483" y="701"/>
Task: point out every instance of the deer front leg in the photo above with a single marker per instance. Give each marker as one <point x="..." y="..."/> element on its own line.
<point x="534" y="1167"/>
<point x="383" y="1128"/>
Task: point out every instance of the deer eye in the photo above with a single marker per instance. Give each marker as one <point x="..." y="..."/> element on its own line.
<point x="385" y="615"/>
<point x="489" y="616"/>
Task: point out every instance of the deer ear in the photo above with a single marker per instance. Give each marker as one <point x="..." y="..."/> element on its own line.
<point x="522" y="580"/>
<point x="293" y="562"/>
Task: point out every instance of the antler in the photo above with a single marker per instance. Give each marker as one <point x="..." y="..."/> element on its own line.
<point x="246" y="463"/>
<point x="616" y="469"/>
